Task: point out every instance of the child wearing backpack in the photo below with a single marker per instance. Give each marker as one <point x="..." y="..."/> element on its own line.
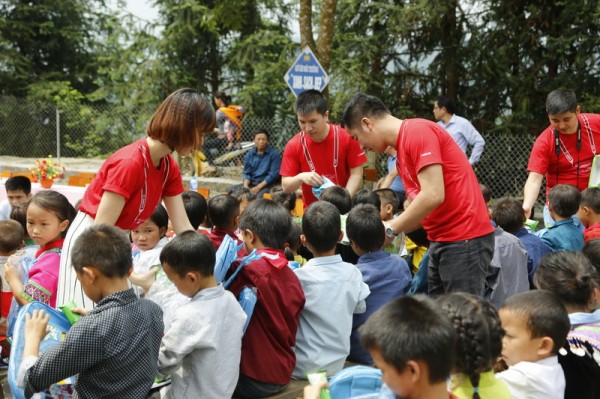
<point x="268" y="357"/>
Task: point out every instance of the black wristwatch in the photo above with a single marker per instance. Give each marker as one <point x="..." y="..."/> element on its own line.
<point x="390" y="232"/>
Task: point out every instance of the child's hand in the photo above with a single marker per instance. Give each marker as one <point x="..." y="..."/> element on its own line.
<point x="144" y="280"/>
<point x="10" y="271"/>
<point x="80" y="311"/>
<point x="314" y="391"/>
<point x="35" y="325"/>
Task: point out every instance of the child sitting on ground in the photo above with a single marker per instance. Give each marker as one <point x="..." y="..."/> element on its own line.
<point x="390" y="205"/>
<point x="386" y="275"/>
<point x="340" y="197"/>
<point x="202" y="347"/>
<point x="122" y="333"/>
<point x="412" y="341"/>
<point x="49" y="215"/>
<point x="148" y="240"/>
<point x="570" y="276"/>
<point x="11" y="239"/>
<point x="510" y="216"/>
<point x="224" y="213"/>
<point x="563" y="202"/>
<point x="195" y="207"/>
<point x="334" y="291"/>
<point x="244" y="195"/>
<point x="536" y="325"/>
<point x="479" y="344"/>
<point x="293" y="244"/>
<point x="364" y="196"/>
<point x="267" y="347"/>
<point x="589" y="213"/>
<point x="287" y="200"/>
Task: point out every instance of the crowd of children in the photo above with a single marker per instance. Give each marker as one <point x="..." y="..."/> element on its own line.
<point x="329" y="289"/>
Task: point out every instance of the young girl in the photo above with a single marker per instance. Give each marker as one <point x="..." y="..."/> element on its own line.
<point x="148" y="240"/>
<point x="570" y="275"/>
<point x="292" y="245"/>
<point x="49" y="215"/>
<point x="478" y="345"/>
<point x="136" y="178"/>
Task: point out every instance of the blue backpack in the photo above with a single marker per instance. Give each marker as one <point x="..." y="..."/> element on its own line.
<point x="58" y="325"/>
<point x="225" y="256"/>
<point x="359" y="382"/>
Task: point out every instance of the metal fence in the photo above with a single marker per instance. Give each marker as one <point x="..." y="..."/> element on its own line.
<point x="31" y="129"/>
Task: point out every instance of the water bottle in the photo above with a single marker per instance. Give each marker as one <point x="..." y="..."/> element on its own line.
<point x="193" y="183"/>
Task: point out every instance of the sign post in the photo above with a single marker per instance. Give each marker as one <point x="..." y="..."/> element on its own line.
<point x="306" y="73"/>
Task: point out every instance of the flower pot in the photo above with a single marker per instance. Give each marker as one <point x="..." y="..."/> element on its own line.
<point x="46" y="183"/>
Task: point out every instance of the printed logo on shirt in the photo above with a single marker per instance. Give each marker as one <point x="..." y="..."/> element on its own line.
<point x="425" y="154"/>
<point x="362" y="153"/>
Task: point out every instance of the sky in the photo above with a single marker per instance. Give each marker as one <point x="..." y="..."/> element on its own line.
<point x="141" y="9"/>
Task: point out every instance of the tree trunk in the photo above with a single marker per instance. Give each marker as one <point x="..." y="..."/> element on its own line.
<point x="306" y="34"/>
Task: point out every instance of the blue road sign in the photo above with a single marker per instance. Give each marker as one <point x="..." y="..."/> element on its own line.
<point x="306" y="73"/>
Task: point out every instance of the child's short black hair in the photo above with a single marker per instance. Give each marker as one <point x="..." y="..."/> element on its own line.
<point x="412" y="328"/>
<point x="322" y="225"/>
<point x="592" y="250"/>
<point x="486" y="192"/>
<point x="287" y="200"/>
<point x="364" y="227"/>
<point x="509" y="214"/>
<point x="11" y="235"/>
<point x="223" y="209"/>
<point x="19" y="214"/>
<point x="160" y="217"/>
<point x="564" y="199"/>
<point x="570" y="275"/>
<point x="104" y="247"/>
<point x="293" y="241"/>
<point x="388" y="196"/>
<point x="309" y="101"/>
<point x="195" y="207"/>
<point x="364" y="196"/>
<point x="590" y="197"/>
<point x="338" y="196"/>
<point x="544" y="314"/>
<point x="270" y="221"/>
<point x="189" y="251"/>
<point x="16" y="183"/>
<point x="241" y="193"/>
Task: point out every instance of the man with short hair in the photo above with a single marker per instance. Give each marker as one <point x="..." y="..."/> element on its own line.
<point x="18" y="190"/>
<point x="261" y="165"/>
<point x="461" y="130"/>
<point x="320" y="150"/>
<point x="564" y="151"/>
<point x="445" y="196"/>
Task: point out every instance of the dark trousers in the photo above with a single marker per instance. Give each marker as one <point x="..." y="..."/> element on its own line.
<point x="460" y="265"/>
<point x="249" y="388"/>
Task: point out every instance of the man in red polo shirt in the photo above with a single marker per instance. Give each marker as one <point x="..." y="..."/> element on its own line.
<point x="320" y="150"/>
<point x="445" y="195"/>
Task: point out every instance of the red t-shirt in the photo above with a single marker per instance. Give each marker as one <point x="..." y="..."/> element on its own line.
<point x="130" y="173"/>
<point x="350" y="155"/>
<point x="463" y="214"/>
<point x="267" y="353"/>
<point x="543" y="159"/>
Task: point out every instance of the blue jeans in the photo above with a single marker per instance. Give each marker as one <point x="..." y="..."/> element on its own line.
<point x="460" y="265"/>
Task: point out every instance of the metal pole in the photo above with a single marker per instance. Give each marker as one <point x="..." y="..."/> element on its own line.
<point x="58" y="135"/>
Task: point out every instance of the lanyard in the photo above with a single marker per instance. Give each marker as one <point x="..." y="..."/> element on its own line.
<point x="336" y="145"/>
<point x="588" y="129"/>
<point x="144" y="192"/>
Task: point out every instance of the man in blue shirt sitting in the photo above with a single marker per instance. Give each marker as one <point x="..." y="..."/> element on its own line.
<point x="461" y="130"/>
<point x="261" y="165"/>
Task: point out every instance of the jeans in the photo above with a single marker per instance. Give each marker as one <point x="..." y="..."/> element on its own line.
<point x="460" y="265"/>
